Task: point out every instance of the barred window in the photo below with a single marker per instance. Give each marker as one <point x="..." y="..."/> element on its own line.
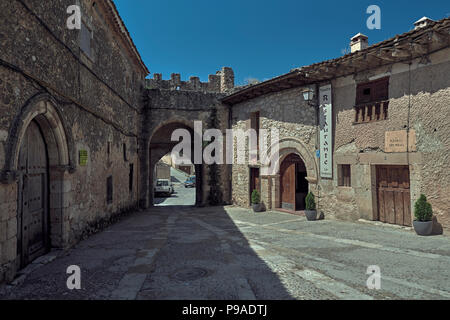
<point x="344" y="175"/>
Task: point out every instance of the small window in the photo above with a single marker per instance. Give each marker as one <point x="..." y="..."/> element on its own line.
<point x="254" y="124"/>
<point x="344" y="175"/>
<point x="131" y="178"/>
<point x="85" y="39"/>
<point x="125" y="157"/>
<point x="109" y="190"/>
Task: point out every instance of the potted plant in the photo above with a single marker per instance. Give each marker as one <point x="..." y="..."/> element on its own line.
<point x="423" y="224"/>
<point x="310" y="210"/>
<point x="256" y="201"/>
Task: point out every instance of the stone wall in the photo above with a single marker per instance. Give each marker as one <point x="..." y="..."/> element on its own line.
<point x="91" y="103"/>
<point x="420" y="93"/>
<point x="222" y="81"/>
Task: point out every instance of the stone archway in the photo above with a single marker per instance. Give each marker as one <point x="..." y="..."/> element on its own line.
<point x="271" y="184"/>
<point x="160" y="144"/>
<point x="38" y="136"/>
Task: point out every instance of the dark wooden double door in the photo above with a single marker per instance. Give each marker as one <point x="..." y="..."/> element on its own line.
<point x="293" y="184"/>
<point x="393" y="192"/>
<point x="33" y="199"/>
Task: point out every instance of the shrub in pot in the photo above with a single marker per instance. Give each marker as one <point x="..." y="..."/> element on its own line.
<point x="423" y="212"/>
<point x="256" y="201"/>
<point x="310" y="210"/>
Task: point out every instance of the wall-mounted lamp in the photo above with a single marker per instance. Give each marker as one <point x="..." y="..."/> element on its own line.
<point x="308" y="95"/>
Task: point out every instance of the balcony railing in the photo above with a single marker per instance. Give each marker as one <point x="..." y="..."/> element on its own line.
<point x="370" y="112"/>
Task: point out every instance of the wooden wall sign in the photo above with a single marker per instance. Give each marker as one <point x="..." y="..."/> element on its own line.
<point x="396" y="141"/>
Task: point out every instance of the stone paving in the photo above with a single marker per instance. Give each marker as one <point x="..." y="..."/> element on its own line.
<point x="184" y="252"/>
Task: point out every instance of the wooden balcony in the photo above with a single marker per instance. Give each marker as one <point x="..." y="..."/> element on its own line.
<point x="371" y="112"/>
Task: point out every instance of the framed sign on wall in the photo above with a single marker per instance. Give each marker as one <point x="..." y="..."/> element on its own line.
<point x="326" y="132"/>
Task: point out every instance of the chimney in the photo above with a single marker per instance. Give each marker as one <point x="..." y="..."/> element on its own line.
<point x="423" y="22"/>
<point x="359" y="42"/>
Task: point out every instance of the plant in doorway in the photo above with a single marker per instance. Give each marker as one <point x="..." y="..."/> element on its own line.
<point x="310" y="209"/>
<point x="423" y="224"/>
<point x="256" y="201"/>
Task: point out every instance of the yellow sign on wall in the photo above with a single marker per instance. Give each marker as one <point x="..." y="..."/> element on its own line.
<point x="83" y="157"/>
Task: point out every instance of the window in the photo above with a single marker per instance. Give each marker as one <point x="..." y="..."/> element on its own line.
<point x="372" y="101"/>
<point x="109" y="190"/>
<point x="125" y="158"/>
<point x="85" y="39"/>
<point x="344" y="175"/>
<point x="130" y="178"/>
<point x="254" y="124"/>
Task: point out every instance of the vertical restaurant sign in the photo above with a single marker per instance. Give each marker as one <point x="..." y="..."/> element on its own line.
<point x="326" y="132"/>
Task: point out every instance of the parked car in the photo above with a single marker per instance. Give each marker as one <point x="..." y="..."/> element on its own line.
<point x="164" y="186"/>
<point x="190" y="182"/>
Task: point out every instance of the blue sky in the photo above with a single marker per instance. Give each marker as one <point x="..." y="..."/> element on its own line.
<point x="258" y="38"/>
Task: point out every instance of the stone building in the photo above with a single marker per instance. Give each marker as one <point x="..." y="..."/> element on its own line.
<point x="81" y="129"/>
<point x="390" y="119"/>
<point x="70" y="108"/>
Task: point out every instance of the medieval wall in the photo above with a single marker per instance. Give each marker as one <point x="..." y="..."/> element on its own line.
<point x="172" y="104"/>
<point x="295" y="120"/>
<point x="96" y="98"/>
<point x="419" y="97"/>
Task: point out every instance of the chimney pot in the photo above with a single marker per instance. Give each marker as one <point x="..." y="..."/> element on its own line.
<point x="422" y="22"/>
<point x="359" y="42"/>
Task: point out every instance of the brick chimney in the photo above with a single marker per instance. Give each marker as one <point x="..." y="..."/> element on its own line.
<point x="359" y="42"/>
<point x="423" y="22"/>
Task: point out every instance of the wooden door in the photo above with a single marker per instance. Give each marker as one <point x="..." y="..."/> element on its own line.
<point x="393" y="194"/>
<point x="32" y="215"/>
<point x="287" y="183"/>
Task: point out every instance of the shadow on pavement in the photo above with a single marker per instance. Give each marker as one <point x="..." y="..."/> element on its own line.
<point x="164" y="253"/>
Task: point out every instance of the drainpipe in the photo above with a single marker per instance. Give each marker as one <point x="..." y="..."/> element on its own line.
<point x="317" y="106"/>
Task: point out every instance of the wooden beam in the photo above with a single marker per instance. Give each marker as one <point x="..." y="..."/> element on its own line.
<point x="419" y="48"/>
<point x="401" y="53"/>
<point x="384" y="54"/>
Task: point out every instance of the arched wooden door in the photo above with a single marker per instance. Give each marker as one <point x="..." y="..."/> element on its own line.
<point x="32" y="218"/>
<point x="293" y="183"/>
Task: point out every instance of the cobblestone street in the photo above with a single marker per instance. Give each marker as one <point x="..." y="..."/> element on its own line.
<point x="233" y="253"/>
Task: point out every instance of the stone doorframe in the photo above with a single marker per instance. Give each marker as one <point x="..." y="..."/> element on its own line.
<point x="43" y="109"/>
<point x="270" y="184"/>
